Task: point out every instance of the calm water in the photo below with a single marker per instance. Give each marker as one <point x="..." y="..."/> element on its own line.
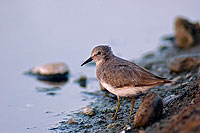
<point x="35" y="32"/>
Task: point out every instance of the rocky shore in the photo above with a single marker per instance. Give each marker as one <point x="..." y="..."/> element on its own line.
<point x="176" y="106"/>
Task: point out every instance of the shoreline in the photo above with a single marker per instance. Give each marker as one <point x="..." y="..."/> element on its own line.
<point x="103" y="107"/>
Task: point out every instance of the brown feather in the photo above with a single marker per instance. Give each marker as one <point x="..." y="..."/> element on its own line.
<point x="120" y="73"/>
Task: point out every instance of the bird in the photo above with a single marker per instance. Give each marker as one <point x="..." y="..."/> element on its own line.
<point x="122" y="77"/>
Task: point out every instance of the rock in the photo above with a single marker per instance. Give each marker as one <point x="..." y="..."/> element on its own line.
<point x="51" y="72"/>
<point x="149" y="111"/>
<point x="88" y="111"/>
<point x="170" y="99"/>
<point x="82" y="81"/>
<point x="187" y="121"/>
<point x="51" y="69"/>
<point x="72" y="121"/>
<point x="184" y="62"/>
<point x="187" y="34"/>
<point x="126" y="128"/>
<point x="112" y="125"/>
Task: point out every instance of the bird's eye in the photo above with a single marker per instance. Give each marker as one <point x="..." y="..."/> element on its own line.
<point x="99" y="53"/>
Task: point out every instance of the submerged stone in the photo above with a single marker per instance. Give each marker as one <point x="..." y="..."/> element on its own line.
<point x="149" y="111"/>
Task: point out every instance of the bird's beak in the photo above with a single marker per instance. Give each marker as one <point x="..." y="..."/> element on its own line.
<point x="87" y="61"/>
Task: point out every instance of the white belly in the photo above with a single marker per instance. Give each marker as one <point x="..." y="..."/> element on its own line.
<point x="125" y="91"/>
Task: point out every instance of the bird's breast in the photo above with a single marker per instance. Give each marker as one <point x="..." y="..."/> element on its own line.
<point x="124" y="91"/>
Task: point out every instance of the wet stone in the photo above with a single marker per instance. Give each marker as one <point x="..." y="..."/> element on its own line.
<point x="149" y="111"/>
<point x="49" y="69"/>
<point x="50" y="72"/>
<point x="88" y="111"/>
<point x="184" y="62"/>
<point x="187" y="34"/>
<point x="72" y="121"/>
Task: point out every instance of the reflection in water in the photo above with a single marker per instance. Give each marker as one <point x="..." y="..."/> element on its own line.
<point x="82" y="81"/>
<point x="51" y="77"/>
<point x="44" y="89"/>
<point x="55" y="83"/>
<point x="53" y="80"/>
<point x="49" y="91"/>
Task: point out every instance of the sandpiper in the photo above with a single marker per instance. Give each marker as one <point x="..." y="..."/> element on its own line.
<point x="121" y="77"/>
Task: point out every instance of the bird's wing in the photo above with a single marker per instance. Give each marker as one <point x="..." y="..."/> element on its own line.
<point x="130" y="74"/>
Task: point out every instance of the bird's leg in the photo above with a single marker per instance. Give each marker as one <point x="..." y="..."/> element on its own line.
<point x="118" y="105"/>
<point x="132" y="105"/>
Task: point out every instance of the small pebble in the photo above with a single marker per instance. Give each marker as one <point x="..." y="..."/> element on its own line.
<point x="88" y="111"/>
<point x="126" y="128"/>
<point x="111" y="125"/>
<point x="72" y="121"/>
<point x="169" y="99"/>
